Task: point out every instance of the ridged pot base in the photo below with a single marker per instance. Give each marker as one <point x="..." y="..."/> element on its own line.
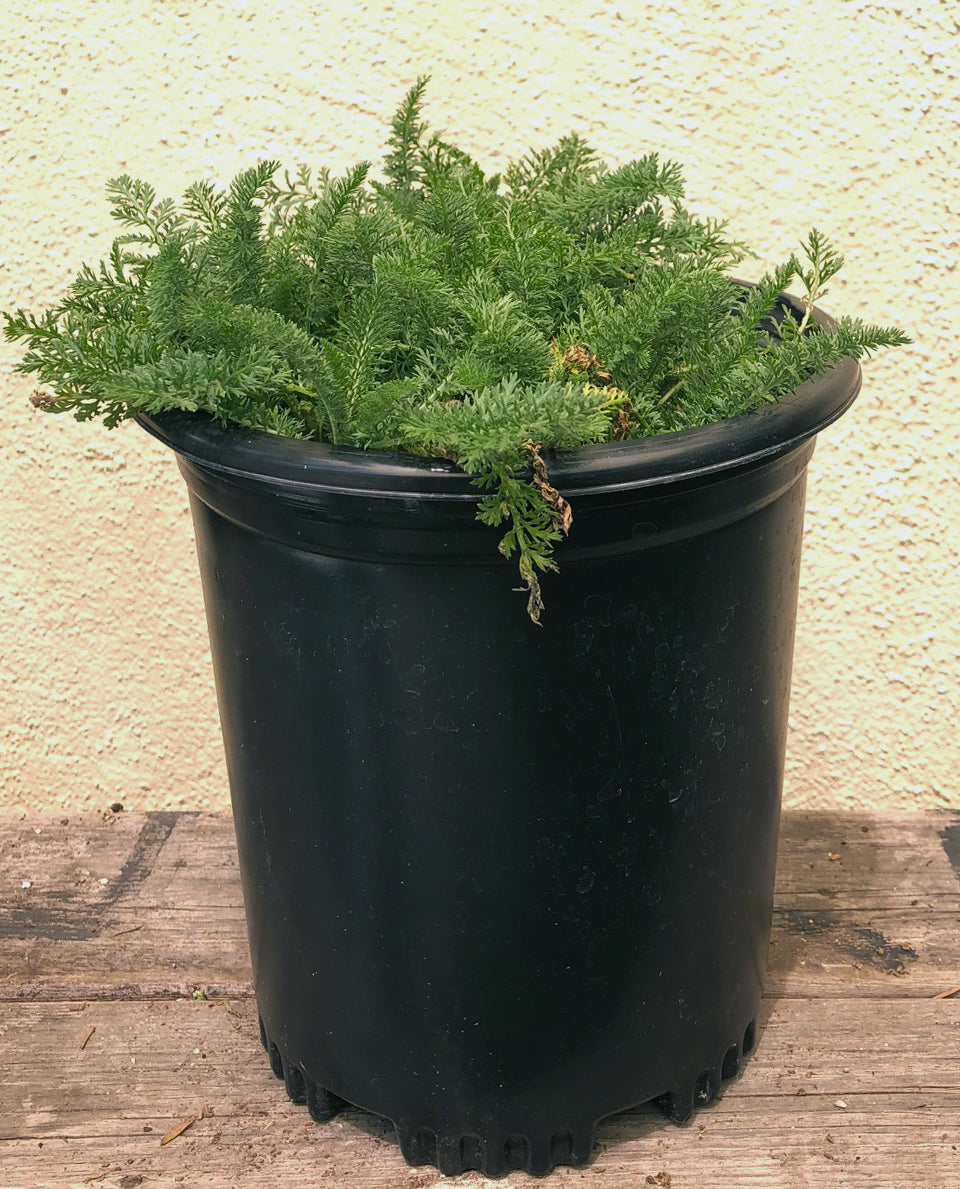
<point x="495" y="1155"/>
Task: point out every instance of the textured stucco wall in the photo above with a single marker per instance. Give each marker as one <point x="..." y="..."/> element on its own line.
<point x="843" y="115"/>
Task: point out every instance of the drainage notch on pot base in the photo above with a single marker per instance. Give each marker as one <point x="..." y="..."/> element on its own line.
<point x="493" y="1154"/>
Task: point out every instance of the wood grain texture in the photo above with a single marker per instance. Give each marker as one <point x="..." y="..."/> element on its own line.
<point x="121" y="905"/>
<point x="72" y="1117"/>
<point x="866" y="932"/>
<point x="150" y="906"/>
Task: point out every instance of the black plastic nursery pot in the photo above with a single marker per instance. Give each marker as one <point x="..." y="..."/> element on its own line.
<point x="503" y="880"/>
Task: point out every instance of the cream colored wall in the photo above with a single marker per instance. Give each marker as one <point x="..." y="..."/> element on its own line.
<point x="838" y="114"/>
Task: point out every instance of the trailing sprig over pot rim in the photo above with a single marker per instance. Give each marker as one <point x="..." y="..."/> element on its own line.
<point x="440" y="311"/>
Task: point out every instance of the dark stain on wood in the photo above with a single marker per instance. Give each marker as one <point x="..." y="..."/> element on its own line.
<point x="862" y="943"/>
<point x="870" y="945"/>
<point x="950" y="837"/>
<point x="146" y="850"/>
<point x="804" y="923"/>
<point x="60" y="915"/>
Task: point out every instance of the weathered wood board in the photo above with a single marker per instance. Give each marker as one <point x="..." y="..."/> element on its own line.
<point x="72" y="1116"/>
<point x="855" y="1082"/>
<point x="148" y="906"/>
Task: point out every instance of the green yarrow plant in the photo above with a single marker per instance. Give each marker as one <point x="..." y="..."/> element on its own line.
<point x="441" y="311"/>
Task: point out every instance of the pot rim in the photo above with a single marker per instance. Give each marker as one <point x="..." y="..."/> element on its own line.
<point x="702" y="452"/>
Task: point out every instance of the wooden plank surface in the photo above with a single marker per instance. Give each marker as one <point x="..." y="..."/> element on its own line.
<point x="142" y="906"/>
<point x="150" y="906"/>
<point x="126" y="916"/>
<point x="73" y="1117"/>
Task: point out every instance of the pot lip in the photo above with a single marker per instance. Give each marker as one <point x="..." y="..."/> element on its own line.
<point x="232" y="451"/>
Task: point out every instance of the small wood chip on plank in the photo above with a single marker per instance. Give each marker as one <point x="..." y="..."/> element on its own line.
<point x="203" y="1113"/>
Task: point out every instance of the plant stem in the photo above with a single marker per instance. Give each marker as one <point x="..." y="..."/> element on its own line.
<point x="670" y="391"/>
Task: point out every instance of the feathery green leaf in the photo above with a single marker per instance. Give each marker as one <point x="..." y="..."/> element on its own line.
<point x="440" y="312"/>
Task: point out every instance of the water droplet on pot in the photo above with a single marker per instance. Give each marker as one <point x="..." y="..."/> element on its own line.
<point x="610" y="793"/>
<point x="586" y="881"/>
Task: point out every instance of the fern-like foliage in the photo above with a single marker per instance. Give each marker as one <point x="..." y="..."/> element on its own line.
<point x="438" y="310"/>
<point x="495" y="434"/>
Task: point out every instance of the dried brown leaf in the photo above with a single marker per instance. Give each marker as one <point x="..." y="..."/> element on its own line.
<point x="549" y="494"/>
